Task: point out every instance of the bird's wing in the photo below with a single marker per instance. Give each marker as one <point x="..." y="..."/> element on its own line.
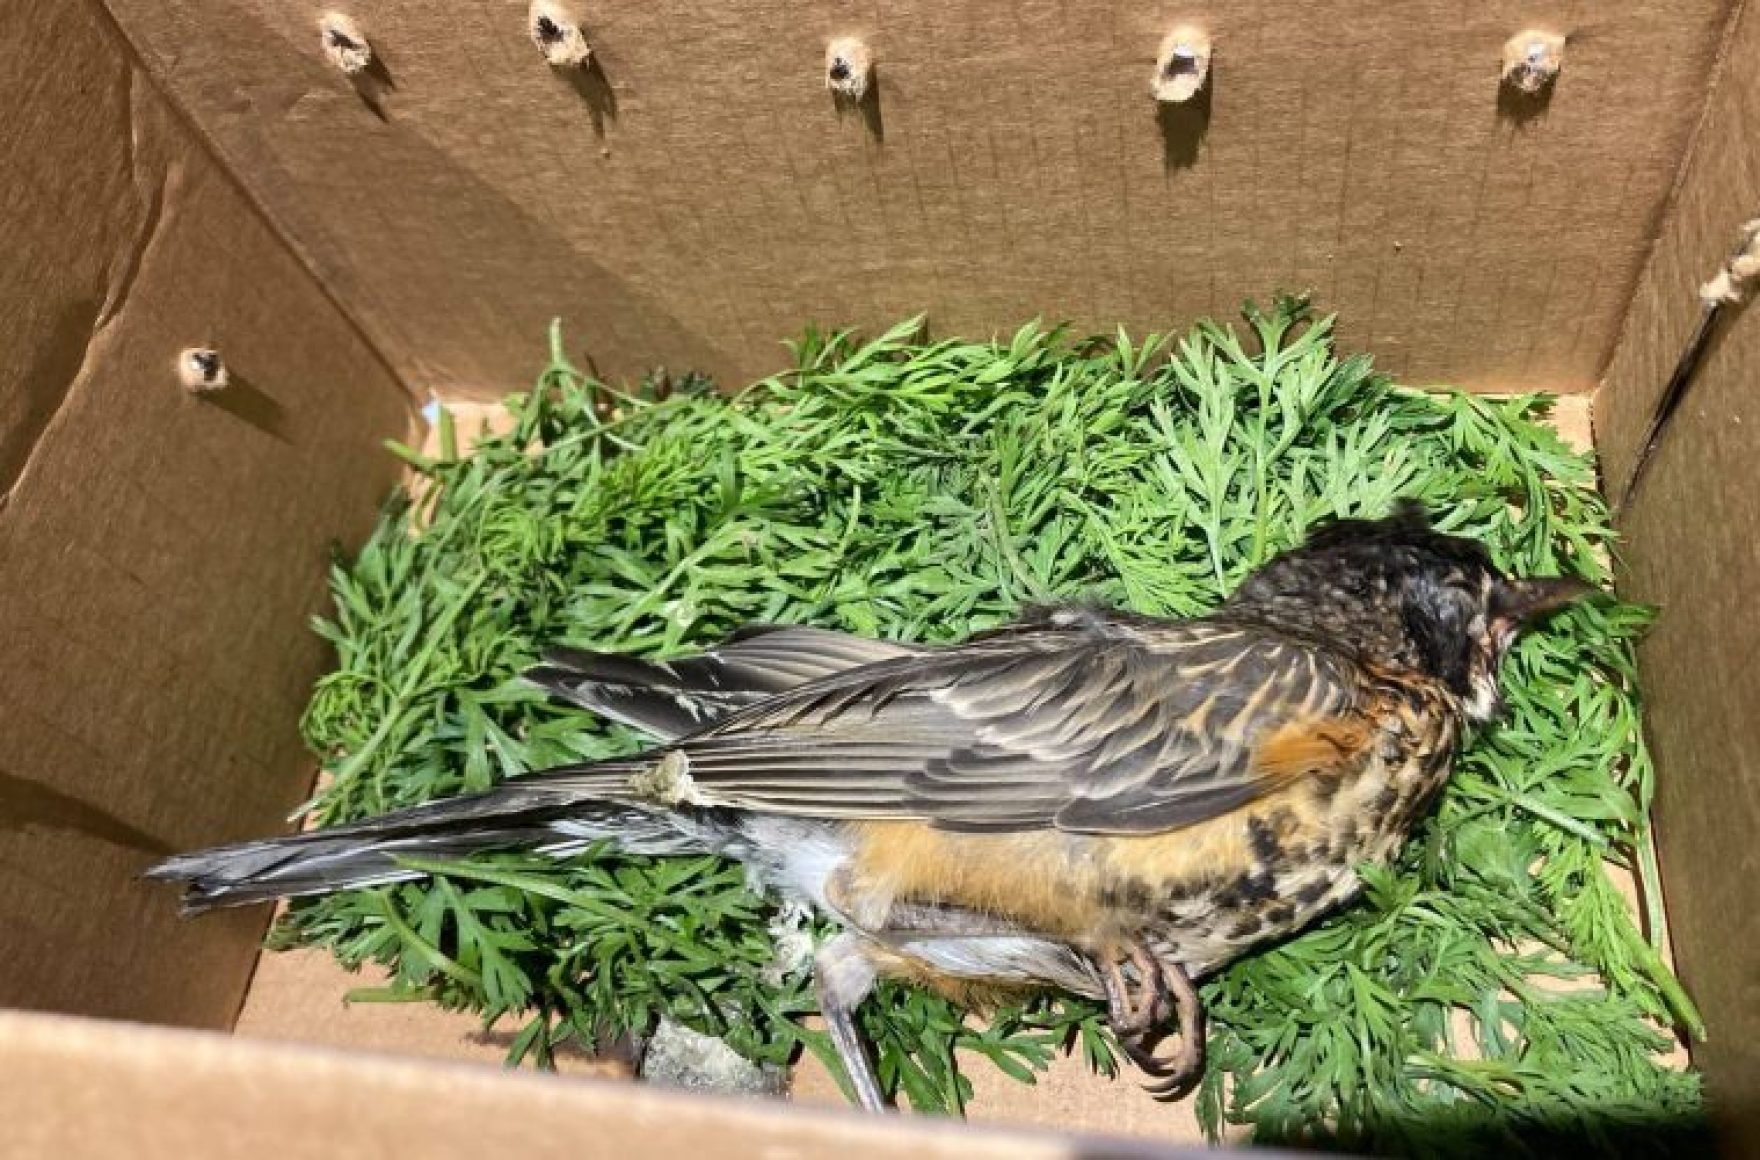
<point x="1088" y="725"/>
<point x="671" y="698"/>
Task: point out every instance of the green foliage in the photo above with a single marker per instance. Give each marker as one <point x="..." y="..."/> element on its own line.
<point x="1492" y="981"/>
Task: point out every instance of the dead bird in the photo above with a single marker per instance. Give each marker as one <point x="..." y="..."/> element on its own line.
<point x="1109" y="804"/>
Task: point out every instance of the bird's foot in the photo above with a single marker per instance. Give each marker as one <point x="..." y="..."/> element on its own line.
<point x="1141" y="994"/>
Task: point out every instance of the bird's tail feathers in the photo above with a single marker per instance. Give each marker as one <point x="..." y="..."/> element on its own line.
<point x="521" y="814"/>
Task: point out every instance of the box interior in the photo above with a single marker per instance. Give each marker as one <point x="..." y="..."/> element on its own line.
<point x="184" y="174"/>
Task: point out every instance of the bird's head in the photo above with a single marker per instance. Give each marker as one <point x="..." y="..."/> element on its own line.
<point x="1407" y="599"/>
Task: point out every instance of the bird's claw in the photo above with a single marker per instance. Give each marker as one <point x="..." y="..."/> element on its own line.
<point x="1139" y="1014"/>
<point x="1174" y="1074"/>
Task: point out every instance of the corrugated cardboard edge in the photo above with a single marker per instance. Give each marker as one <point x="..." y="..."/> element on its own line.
<point x="1690" y="547"/>
<point x="83" y="1088"/>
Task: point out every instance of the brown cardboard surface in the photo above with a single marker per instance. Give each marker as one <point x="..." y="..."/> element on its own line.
<point x="1066" y="1097"/>
<point x="159" y="553"/>
<point x="79" y="1088"/>
<point x="297" y="997"/>
<point x="1690" y="547"/>
<point x="696" y="196"/>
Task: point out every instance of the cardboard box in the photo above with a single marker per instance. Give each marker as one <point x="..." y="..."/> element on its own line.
<point x="181" y="173"/>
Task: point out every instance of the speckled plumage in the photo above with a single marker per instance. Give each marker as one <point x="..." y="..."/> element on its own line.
<point x="1106" y="803"/>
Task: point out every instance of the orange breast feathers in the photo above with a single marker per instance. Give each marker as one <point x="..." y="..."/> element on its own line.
<point x="1080" y="886"/>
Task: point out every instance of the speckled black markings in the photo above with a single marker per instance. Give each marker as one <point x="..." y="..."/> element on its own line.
<point x="1255" y="886"/>
<point x="1246" y="926"/>
<point x="1310" y="893"/>
<point x="1267" y="850"/>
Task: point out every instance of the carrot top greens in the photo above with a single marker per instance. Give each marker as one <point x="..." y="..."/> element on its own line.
<point x="1490" y="990"/>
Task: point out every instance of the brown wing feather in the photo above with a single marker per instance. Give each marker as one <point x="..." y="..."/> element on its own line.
<point x="1091" y="726"/>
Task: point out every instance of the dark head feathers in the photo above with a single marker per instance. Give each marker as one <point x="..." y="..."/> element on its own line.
<point x="1403" y="596"/>
<point x="1408" y="526"/>
<point x="1408" y="530"/>
<point x="1393" y="592"/>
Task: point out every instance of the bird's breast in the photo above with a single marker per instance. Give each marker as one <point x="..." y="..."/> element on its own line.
<point x="1207" y="892"/>
<point x="1305" y="849"/>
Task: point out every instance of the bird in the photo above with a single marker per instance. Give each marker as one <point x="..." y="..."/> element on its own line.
<point x="1084" y="800"/>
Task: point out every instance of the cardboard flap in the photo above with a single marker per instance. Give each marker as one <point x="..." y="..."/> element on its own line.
<point x="1690" y="547"/>
<point x="160" y="553"/>
<point x="79" y="1088"/>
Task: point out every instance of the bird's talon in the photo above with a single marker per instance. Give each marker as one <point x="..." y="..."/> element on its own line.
<point x="1138" y="1016"/>
<point x="1167" y="1091"/>
<point x="1176" y="1073"/>
<point x="1144" y="1060"/>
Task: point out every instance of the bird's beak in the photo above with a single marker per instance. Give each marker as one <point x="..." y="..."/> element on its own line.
<point x="1525" y="601"/>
